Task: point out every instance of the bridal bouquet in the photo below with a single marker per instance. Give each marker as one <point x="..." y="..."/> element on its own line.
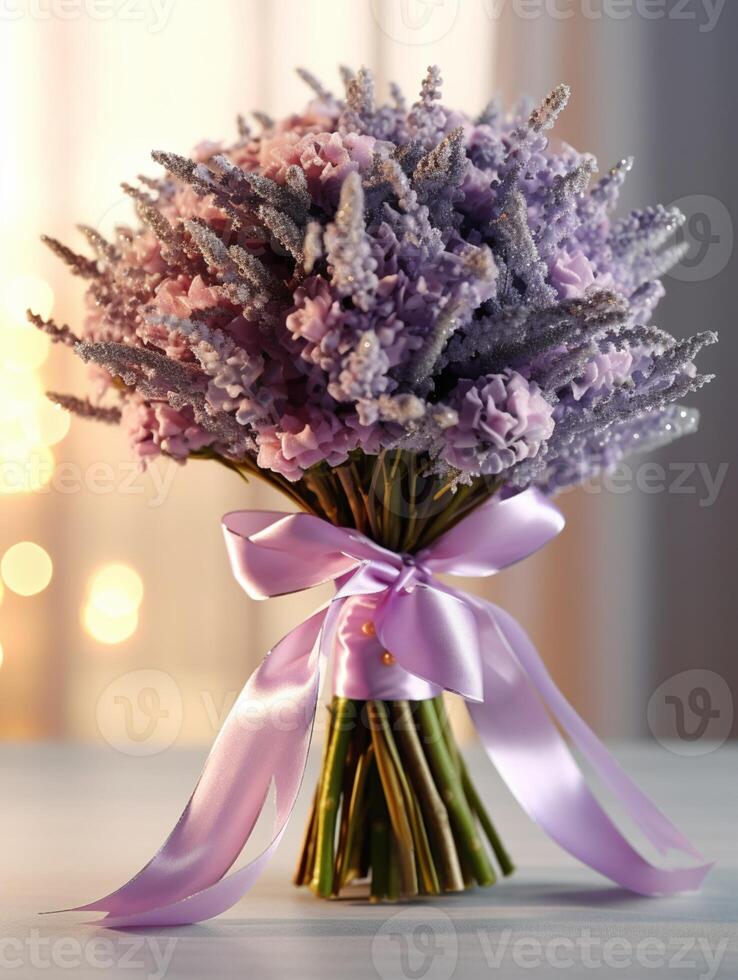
<point x="419" y="326"/>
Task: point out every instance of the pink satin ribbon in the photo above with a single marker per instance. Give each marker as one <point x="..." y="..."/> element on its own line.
<point x="441" y="639"/>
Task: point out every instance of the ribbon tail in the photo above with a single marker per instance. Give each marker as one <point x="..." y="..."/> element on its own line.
<point x="527" y="749"/>
<point x="264" y="739"/>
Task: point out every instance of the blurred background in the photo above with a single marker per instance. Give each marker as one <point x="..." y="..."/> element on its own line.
<point x="119" y="620"/>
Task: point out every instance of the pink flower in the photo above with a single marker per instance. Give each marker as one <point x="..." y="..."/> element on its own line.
<point x="326" y="159"/>
<point x="186" y="203"/>
<point x="300" y="441"/>
<point x="318" y="116"/>
<point x="155" y="428"/>
<point x="180" y="297"/>
<point x="144" y="252"/>
<point x="316" y="312"/>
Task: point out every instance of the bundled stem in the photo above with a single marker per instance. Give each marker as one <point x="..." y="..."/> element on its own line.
<point x="431" y="805"/>
<point x="475" y="802"/>
<point x="396" y="804"/>
<point x="392" y="497"/>
<point x="395" y="801"/>
<point x="448" y="779"/>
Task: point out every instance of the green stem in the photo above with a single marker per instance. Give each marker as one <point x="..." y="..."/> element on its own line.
<point x="353" y="498"/>
<point x="393" y="877"/>
<point x="423" y="852"/>
<point x="304" y="866"/>
<point x="349" y="855"/>
<point x="379" y="845"/>
<point x="391" y="525"/>
<point x="328" y="800"/>
<point x="351" y="762"/>
<point x="394" y="796"/>
<point x="503" y="858"/>
<point x="431" y="804"/>
<point x="448" y="780"/>
<point x="375" y="500"/>
<point x="327" y="499"/>
<point x="475" y="801"/>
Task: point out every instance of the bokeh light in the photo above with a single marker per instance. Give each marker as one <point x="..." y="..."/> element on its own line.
<point x="22" y="347"/>
<point x="26" y="568"/>
<point x="24" y="468"/>
<point x="116" y="589"/>
<point x="115" y="592"/>
<point x="23" y="293"/>
<point x="19" y="393"/>
<point x="48" y="424"/>
<point x="106" y="628"/>
<point x="29" y="423"/>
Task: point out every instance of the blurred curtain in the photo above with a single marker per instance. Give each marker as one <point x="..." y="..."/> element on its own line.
<point x="651" y="571"/>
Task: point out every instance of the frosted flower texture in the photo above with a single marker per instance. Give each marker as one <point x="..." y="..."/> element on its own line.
<point x="571" y="275"/>
<point x="363" y="276"/>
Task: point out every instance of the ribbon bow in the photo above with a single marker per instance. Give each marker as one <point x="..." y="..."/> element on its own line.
<point x="440" y="639"/>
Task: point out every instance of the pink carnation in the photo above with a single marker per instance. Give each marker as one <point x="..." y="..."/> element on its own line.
<point x="319" y="116"/>
<point x="316" y="313"/>
<point x="181" y="296"/>
<point x="155" y="428"/>
<point x="326" y="159"/>
<point x="300" y="441"/>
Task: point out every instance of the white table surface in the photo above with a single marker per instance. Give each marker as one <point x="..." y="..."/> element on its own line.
<point x="76" y="821"/>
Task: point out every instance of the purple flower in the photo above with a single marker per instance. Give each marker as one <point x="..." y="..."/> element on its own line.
<point x="322" y="284"/>
<point x="571" y="275"/>
<point x="502" y="420"/>
<point x="607" y="370"/>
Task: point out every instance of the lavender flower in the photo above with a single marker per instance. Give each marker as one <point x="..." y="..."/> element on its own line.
<point x="360" y="276"/>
